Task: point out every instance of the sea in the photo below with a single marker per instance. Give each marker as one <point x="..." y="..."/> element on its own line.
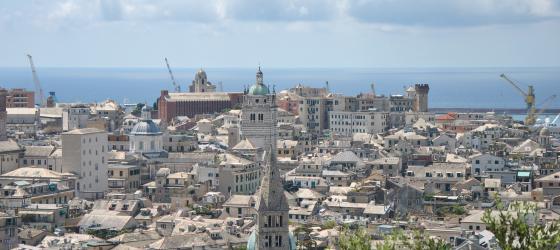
<point x="449" y="87"/>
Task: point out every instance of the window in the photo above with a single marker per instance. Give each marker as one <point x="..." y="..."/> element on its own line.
<point x="269" y="221"/>
<point x="278" y="240"/>
<point x="268" y="241"/>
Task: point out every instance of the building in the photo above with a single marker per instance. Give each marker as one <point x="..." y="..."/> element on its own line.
<point x="10" y="156"/>
<point x="75" y="117"/>
<point x="240" y="206"/>
<point x="421" y="97"/>
<point x="3" y="115"/>
<point x="22" y="121"/>
<point x="256" y="115"/>
<point x="8" y="231"/>
<point x="314" y="113"/>
<point x="84" y="154"/>
<point x="20" y="98"/>
<point x="347" y="123"/>
<point x="272" y="206"/>
<point x="171" y="105"/>
<point x="123" y="178"/>
<point x="48" y="157"/>
<point x="145" y="136"/>
<point x="481" y="164"/>
<point x="201" y="83"/>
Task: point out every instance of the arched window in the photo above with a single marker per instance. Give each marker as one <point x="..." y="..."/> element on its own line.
<point x="152" y="145"/>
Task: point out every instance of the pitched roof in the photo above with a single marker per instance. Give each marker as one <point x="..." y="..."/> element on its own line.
<point x="9" y="146"/>
<point x="345" y="156"/>
<point x="527" y="146"/>
<point x="83" y="131"/>
<point x="33" y="173"/>
<point x="244" y="145"/>
<point x="39" y="151"/>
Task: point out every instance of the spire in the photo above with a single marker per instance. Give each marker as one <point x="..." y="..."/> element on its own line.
<point x="259" y="76"/>
<point x="271" y="190"/>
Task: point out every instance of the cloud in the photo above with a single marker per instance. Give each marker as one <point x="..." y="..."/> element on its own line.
<point x="436" y="13"/>
<point x="281" y="10"/>
<point x="388" y="13"/>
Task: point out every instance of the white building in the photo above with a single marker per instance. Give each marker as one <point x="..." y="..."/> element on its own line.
<point x="22" y="120"/>
<point x="483" y="163"/>
<point x="346" y="122"/>
<point x="256" y="114"/>
<point x="75" y="117"/>
<point x="146" y="136"/>
<point x="83" y="153"/>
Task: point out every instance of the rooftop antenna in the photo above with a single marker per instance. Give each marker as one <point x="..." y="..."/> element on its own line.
<point x="327" y="86"/>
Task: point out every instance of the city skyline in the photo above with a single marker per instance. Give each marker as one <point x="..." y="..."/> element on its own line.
<point x="281" y="33"/>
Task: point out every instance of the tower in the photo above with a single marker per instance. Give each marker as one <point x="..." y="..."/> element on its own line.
<point x="421" y="97"/>
<point x="272" y="232"/>
<point x="201" y="83"/>
<point x="256" y="116"/>
<point x="3" y="115"/>
<point x="544" y="137"/>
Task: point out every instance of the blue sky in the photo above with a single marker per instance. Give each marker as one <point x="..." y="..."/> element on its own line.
<point x="280" y="33"/>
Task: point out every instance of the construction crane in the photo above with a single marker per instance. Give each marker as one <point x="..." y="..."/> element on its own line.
<point x="543" y="106"/>
<point x="175" y="85"/>
<point x="529" y="96"/>
<point x="38" y="88"/>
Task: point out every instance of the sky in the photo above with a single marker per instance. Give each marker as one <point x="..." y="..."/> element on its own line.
<point x="280" y="33"/>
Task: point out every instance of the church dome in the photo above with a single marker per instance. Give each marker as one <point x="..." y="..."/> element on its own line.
<point x="258" y="89"/>
<point x="544" y="132"/>
<point x="146" y="127"/>
<point x="200" y="74"/>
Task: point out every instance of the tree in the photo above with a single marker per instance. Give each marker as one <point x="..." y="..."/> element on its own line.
<point x="418" y="241"/>
<point x="354" y="239"/>
<point x="330" y="224"/>
<point x="138" y="109"/>
<point x="518" y="228"/>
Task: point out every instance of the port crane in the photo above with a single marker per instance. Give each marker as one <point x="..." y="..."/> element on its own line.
<point x="38" y="89"/>
<point x="175" y="85"/>
<point x="543" y="106"/>
<point x="529" y="96"/>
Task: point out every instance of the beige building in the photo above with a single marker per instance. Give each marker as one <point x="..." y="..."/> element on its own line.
<point x="8" y="231"/>
<point x="84" y="154"/>
<point x="48" y="157"/>
<point x="123" y="178"/>
<point x="347" y="123"/>
<point x="240" y="206"/>
<point x="10" y="156"/>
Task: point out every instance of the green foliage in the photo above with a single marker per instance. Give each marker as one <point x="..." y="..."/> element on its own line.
<point x="514" y="229"/>
<point x="418" y="241"/>
<point x="138" y="110"/>
<point x="354" y="239"/>
<point x="304" y="238"/>
<point x="106" y="233"/>
<point x="455" y="209"/>
<point x="428" y="196"/>
<point x="330" y="224"/>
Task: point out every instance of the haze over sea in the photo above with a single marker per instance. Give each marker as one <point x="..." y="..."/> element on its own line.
<point x="449" y="87"/>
